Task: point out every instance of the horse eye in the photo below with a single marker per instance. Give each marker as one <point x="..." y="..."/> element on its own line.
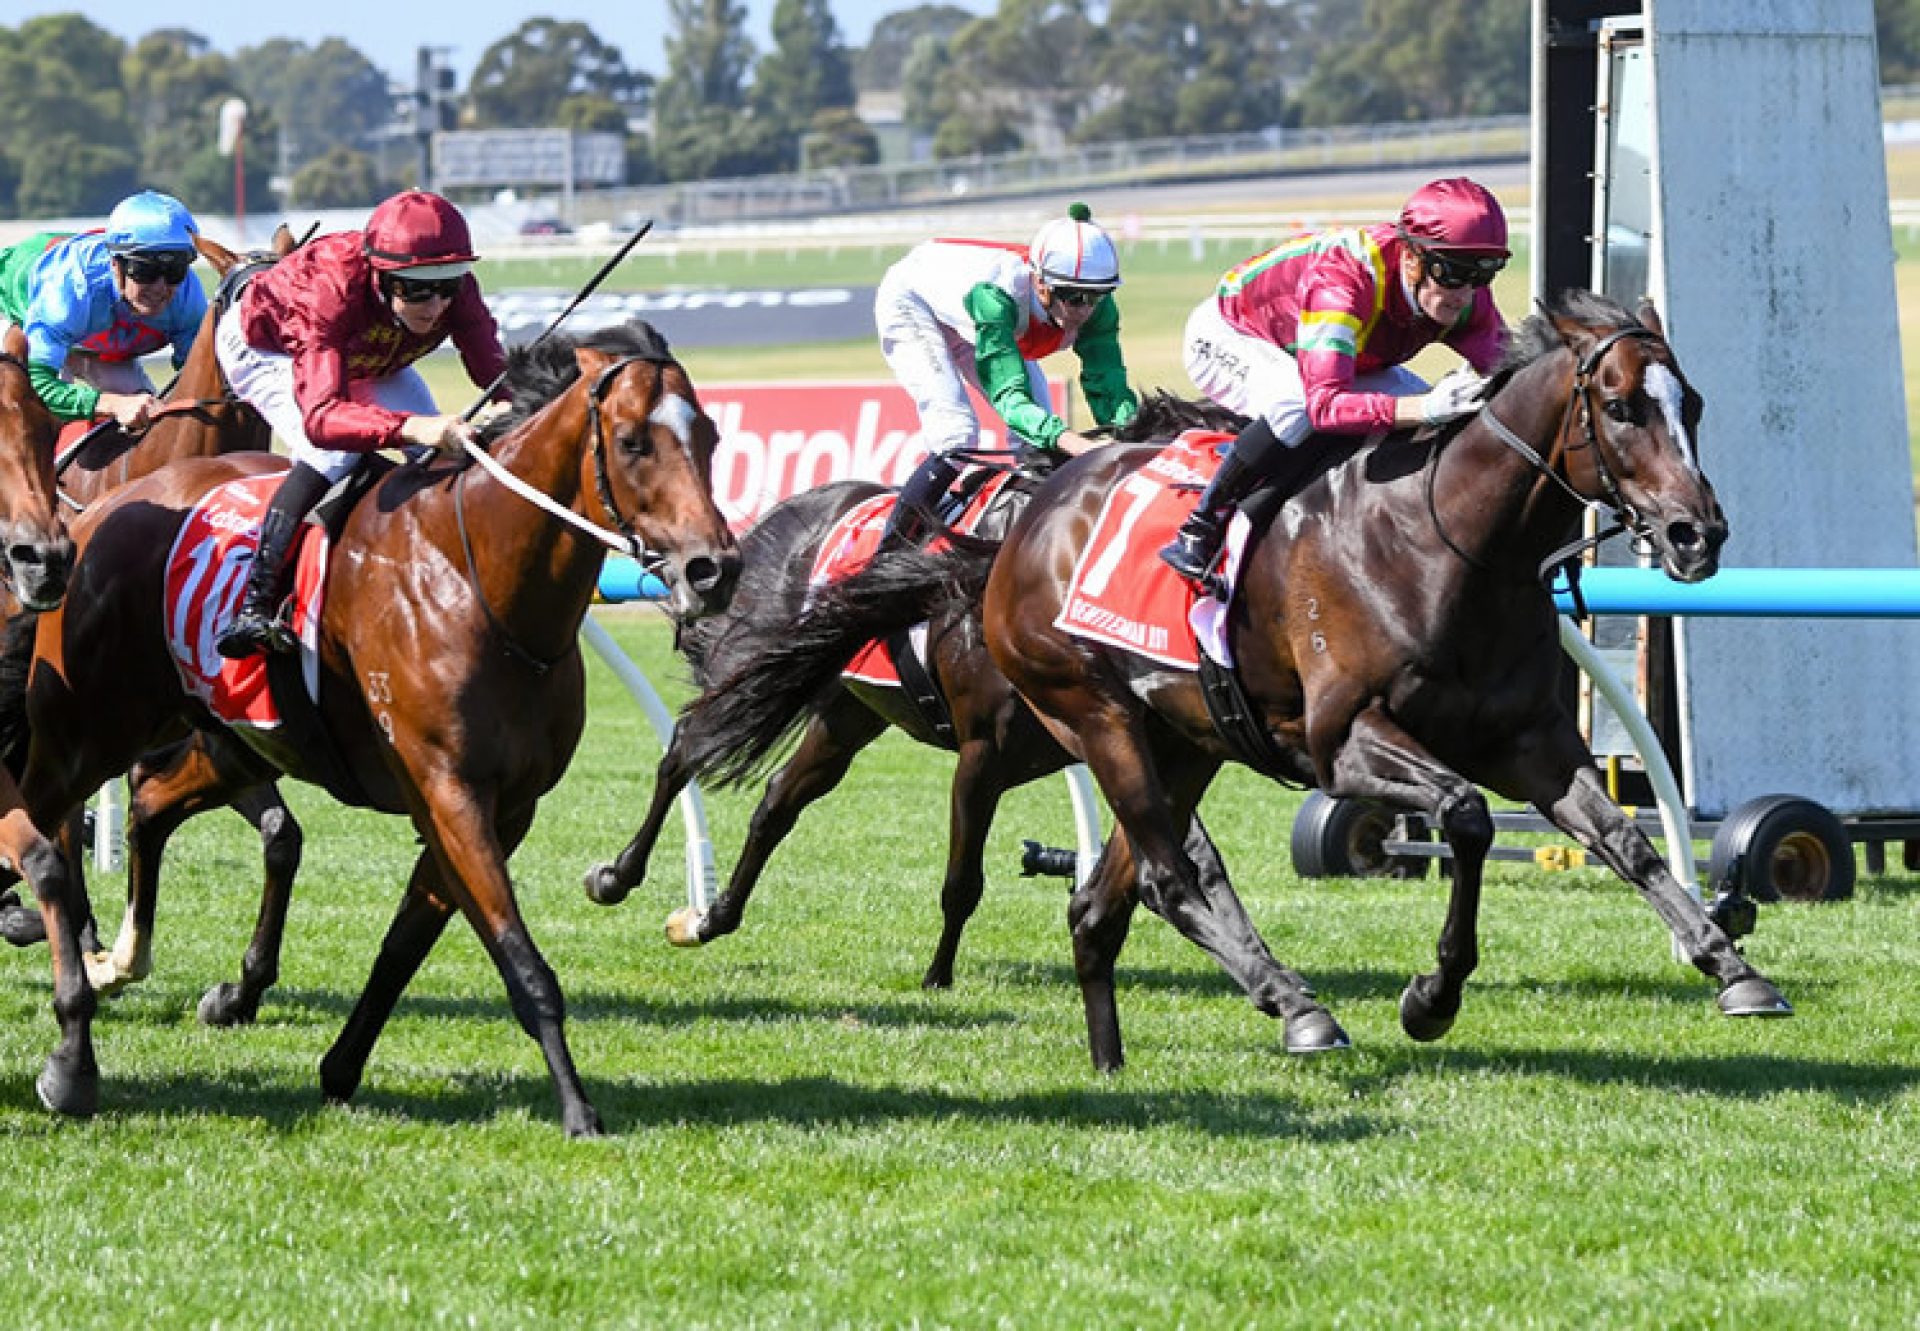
<point x="637" y="443"/>
<point x="1620" y="410"/>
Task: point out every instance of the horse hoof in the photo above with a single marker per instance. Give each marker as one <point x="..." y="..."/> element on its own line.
<point x="584" y="1124"/>
<point x="603" y="887"/>
<point x="1315" y="1032"/>
<point x="222" y="1006"/>
<point x="74" y="1094"/>
<point x="19" y="925"/>
<point x="1420" y="1019"/>
<point x="683" y="927"/>
<point x="1753" y="997"/>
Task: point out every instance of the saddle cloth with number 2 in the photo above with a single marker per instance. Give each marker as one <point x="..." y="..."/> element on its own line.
<point x="206" y="577"/>
<point x="1121" y="594"/>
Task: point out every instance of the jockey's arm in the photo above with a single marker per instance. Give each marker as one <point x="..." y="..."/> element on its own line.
<point x="1002" y="369"/>
<point x="1103" y="370"/>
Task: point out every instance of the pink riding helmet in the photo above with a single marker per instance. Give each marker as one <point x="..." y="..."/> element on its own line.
<point x="1455" y="215"/>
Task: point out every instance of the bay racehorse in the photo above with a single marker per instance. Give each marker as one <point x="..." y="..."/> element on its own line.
<point x="451" y="685"/>
<point x="1394" y="642"/>
<point x="198" y="417"/>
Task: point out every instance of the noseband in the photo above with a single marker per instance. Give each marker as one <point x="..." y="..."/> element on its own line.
<point x="602" y="385"/>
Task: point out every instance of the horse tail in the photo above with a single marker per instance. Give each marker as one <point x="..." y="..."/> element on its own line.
<point x="16" y="666"/>
<point x="737" y="725"/>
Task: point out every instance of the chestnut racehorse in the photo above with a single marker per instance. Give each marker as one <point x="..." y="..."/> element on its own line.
<point x="199" y="417"/>
<point x="1395" y="643"/>
<point x="451" y="685"/>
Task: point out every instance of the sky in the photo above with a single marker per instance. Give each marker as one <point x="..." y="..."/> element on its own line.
<point x="389" y="34"/>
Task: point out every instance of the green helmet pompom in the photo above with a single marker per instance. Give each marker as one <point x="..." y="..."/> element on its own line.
<point x="1079" y="212"/>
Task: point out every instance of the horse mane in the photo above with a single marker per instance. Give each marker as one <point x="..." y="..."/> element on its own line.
<point x="541" y="371"/>
<point x="1538" y="336"/>
<point x="1163" y="415"/>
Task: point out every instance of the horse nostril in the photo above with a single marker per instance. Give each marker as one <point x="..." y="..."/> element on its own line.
<point x="702" y="574"/>
<point x="1684" y="536"/>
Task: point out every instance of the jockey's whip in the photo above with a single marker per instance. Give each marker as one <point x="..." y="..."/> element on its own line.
<point x="593" y="284"/>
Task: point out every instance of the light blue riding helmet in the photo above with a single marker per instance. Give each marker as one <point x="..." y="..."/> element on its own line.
<point x="150" y="223"/>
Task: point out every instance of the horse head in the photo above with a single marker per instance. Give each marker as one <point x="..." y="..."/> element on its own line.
<point x="1631" y="435"/>
<point x="35" y="552"/>
<point x="652" y="446"/>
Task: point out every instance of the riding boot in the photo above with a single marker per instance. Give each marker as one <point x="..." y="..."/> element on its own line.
<point x="257" y="627"/>
<point x="912" y="519"/>
<point x="1196" y="545"/>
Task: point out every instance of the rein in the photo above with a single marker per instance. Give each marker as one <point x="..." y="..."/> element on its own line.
<point x="625" y="541"/>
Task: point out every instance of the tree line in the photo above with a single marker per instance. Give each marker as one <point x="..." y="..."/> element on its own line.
<point x="85" y="118"/>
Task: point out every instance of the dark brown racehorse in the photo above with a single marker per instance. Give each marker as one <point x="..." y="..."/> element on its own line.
<point x="998" y="742"/>
<point x="451" y="688"/>
<point x="199" y="417"/>
<point x="1396" y="643"/>
<point x="36" y="561"/>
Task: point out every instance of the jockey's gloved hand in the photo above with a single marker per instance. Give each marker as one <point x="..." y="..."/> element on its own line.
<point x="447" y="434"/>
<point x="1456" y="395"/>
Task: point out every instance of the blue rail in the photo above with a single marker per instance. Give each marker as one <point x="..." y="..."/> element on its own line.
<point x="622" y="580"/>
<point x="1793" y="593"/>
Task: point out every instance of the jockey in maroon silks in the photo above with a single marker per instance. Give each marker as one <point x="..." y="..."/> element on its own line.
<point x="1311" y="337"/>
<point x="323" y="345"/>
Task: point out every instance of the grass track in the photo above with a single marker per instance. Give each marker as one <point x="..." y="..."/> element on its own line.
<point x="802" y="1137"/>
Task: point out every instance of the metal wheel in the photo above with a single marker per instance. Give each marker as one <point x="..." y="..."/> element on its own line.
<point x="1783" y="847"/>
<point x="1340" y="838"/>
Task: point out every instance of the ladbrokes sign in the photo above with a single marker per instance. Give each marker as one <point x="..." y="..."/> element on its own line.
<point x="779" y="439"/>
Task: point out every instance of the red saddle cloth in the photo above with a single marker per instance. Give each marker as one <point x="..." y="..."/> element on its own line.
<point x="1122" y="595"/>
<point x="850" y="545"/>
<point x="206" y="576"/>
<point x="69" y="438"/>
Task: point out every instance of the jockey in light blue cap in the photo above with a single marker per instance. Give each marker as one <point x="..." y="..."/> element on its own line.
<point x="88" y="306"/>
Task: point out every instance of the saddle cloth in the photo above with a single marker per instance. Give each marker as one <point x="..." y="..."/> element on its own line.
<point x="1122" y="595"/>
<point x="206" y="577"/>
<point x="850" y="545"/>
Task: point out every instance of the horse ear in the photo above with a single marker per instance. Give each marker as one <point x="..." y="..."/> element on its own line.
<point x="283" y="242"/>
<point x="13" y="342"/>
<point x="1649" y="316"/>
<point x="214" y="253"/>
<point x="590" y="361"/>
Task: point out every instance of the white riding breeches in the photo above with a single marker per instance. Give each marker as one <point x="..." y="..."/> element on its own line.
<point x="1257" y="378"/>
<point x="264" y="380"/>
<point x="935" y="367"/>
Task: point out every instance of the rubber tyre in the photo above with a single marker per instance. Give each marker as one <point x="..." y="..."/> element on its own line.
<point x="1341" y="838"/>
<point x="1783" y="848"/>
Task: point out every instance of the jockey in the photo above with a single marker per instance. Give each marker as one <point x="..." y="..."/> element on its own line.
<point x="323" y="343"/>
<point x="90" y="305"/>
<point x="1311" y="337"/>
<point x="954" y="312"/>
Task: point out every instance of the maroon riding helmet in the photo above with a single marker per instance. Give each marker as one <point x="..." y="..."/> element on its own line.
<point x="1456" y="216"/>
<point x="419" y="234"/>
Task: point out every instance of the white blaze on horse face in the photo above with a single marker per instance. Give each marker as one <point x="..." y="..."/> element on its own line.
<point x="678" y="415"/>
<point x="1663" y="386"/>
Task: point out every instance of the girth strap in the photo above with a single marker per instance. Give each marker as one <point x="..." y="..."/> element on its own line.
<point x="1239" y="724"/>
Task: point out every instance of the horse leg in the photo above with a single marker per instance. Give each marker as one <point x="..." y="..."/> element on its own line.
<point x="610" y="884"/>
<point x="975" y="796"/>
<point x="826" y="750"/>
<point x="1169" y="884"/>
<point x="1562" y="783"/>
<point x="23" y="925"/>
<point x="281" y="842"/>
<point x="473" y="861"/>
<point x="1379" y="760"/>
<point x="70" y="1081"/>
<point x="417" y="926"/>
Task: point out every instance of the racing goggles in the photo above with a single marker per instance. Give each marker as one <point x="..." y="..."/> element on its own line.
<point x="146" y="269"/>
<point x="1080" y="297"/>
<point x="1454" y="271"/>
<point x="420" y="290"/>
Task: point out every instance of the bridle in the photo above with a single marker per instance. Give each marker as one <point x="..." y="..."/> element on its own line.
<point x="626" y="540"/>
<point x="1617" y="514"/>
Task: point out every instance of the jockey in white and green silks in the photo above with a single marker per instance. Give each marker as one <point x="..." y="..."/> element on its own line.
<point x="90" y="305"/>
<point x="954" y="312"/>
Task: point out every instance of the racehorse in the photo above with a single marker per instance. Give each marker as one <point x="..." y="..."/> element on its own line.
<point x="451" y="686"/>
<point x="36" y="562"/>
<point x="198" y="417"/>
<point x="1395" y="642"/>
<point x="999" y="744"/>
